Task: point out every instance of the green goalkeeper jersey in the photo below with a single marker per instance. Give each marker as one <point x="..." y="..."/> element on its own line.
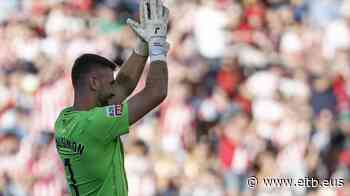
<point x="89" y="144"/>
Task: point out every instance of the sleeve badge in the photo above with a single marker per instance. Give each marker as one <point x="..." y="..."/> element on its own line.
<point x="114" y="110"/>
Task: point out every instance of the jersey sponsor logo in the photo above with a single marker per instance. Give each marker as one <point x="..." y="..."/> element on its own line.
<point x="114" y="110"/>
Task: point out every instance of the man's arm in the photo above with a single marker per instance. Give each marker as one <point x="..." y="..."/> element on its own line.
<point x="128" y="77"/>
<point x="131" y="71"/>
<point x="153" y="30"/>
<point x="152" y="95"/>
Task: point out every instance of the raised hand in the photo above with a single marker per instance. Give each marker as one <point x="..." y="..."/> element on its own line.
<point x="154" y="18"/>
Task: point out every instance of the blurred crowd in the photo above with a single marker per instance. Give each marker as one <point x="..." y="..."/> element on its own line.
<point x="257" y="88"/>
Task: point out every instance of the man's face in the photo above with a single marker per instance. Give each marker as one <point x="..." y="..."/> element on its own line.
<point x="105" y="87"/>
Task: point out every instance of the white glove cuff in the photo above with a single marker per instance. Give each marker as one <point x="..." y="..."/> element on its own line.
<point x="158" y="49"/>
<point x="141" y="48"/>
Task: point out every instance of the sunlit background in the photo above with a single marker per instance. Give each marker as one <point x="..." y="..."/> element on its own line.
<point x="257" y="88"/>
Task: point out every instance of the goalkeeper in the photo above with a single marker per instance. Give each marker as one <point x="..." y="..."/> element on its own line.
<point x="88" y="133"/>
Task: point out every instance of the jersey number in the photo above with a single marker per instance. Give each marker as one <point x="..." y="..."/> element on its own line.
<point x="73" y="186"/>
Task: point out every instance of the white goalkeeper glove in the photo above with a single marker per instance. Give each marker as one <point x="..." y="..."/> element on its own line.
<point x="141" y="45"/>
<point x="154" y="18"/>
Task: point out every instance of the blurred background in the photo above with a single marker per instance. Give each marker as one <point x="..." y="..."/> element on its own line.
<point x="257" y="87"/>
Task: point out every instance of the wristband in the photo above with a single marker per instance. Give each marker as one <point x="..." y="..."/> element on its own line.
<point x="158" y="49"/>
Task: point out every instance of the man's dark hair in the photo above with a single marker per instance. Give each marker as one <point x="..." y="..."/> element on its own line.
<point x="85" y="63"/>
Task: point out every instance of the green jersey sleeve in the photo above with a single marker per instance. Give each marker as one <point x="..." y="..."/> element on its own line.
<point x="110" y="121"/>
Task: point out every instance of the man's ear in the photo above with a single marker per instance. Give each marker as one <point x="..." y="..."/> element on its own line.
<point x="93" y="83"/>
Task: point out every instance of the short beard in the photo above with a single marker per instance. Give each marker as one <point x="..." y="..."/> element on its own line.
<point x="104" y="103"/>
